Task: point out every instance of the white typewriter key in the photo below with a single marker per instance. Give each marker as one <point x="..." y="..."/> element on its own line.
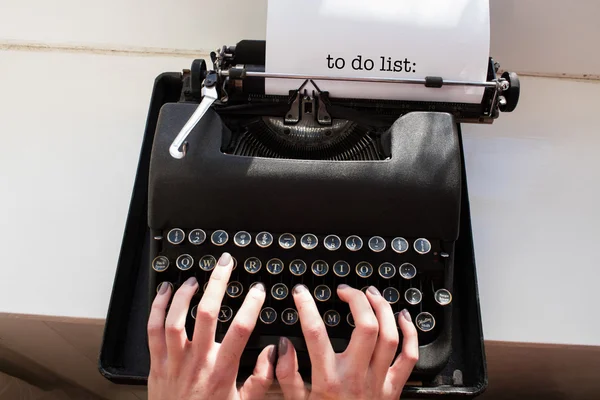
<point x="331" y="318"/>
<point x="275" y="266"/>
<point x="391" y="295"/>
<point x="413" y="296"/>
<point x="297" y="267"/>
<point x="219" y="238"/>
<point x="320" y="268"/>
<point x="175" y="236"/>
<point x="422" y="246"/>
<point x="341" y="268"/>
<point x="289" y="316"/>
<point x="443" y="297"/>
<point x="364" y="269"/>
<point x="309" y="241"/>
<point x="168" y="283"/>
<point x="354" y="243"/>
<point x="234" y="289"/>
<point x="252" y="265"/>
<point x="279" y="291"/>
<point x="268" y="315"/>
<point x="387" y="270"/>
<point x="160" y="263"/>
<point x="399" y="245"/>
<point x="242" y="239"/>
<point x="425" y="321"/>
<point x="197" y="236"/>
<point x="322" y="293"/>
<point x="408" y="271"/>
<point x="287" y="241"/>
<point x="264" y="239"/>
<point x="184" y="262"/>
<point x="377" y="244"/>
<point x="207" y="263"/>
<point x="225" y="313"/>
<point x="194" y="311"/>
<point x="350" y="320"/>
<point x="332" y="242"/>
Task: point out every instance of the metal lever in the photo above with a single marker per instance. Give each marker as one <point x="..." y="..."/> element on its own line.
<point x="209" y="95"/>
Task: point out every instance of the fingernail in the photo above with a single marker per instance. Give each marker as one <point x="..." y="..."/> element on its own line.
<point x="162" y="289"/>
<point x="272" y="355"/>
<point x="283" y="346"/>
<point x="191" y="281"/>
<point x="343" y="286"/>
<point x="406" y="315"/>
<point x="373" y="290"/>
<point x="299" y="288"/>
<point x="259" y="285"/>
<point x="225" y="259"/>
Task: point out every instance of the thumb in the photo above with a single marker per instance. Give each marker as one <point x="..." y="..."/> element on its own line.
<point x="260" y="381"/>
<point x="289" y="378"/>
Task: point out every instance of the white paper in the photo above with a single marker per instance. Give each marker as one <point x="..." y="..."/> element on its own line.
<point x="447" y="38"/>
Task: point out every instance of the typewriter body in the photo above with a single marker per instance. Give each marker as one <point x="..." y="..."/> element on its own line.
<point x="312" y="189"/>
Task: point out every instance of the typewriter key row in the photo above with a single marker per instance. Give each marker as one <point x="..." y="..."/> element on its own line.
<point x="308" y="241"/>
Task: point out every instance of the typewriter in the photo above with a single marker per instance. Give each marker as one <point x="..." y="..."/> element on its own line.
<point x="312" y="189"/>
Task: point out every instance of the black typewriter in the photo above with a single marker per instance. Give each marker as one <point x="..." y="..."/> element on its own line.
<point x="312" y="189"/>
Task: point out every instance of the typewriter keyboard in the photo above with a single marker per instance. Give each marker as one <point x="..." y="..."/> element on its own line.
<point x="409" y="272"/>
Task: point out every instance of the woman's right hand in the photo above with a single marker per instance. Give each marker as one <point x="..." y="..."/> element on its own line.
<point x="366" y="369"/>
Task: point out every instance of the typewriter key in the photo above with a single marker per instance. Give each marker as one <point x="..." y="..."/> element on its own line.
<point x="391" y="295"/>
<point x="279" y="291"/>
<point x="194" y="311"/>
<point x="252" y="265"/>
<point x="207" y="263"/>
<point x="197" y="236"/>
<point x="422" y="246"/>
<point x="235" y="289"/>
<point x="364" y="289"/>
<point x="297" y="267"/>
<point x="397" y="318"/>
<point x="332" y="242"/>
<point x="268" y="315"/>
<point x="331" y="318"/>
<point x="205" y="286"/>
<point x="264" y="239"/>
<point x="160" y="263"/>
<point x="289" y="316"/>
<point x="408" y="271"/>
<point x="242" y="239"/>
<point x="219" y="238"/>
<point x="320" y="268"/>
<point x="443" y="297"/>
<point x="234" y="262"/>
<point x="175" y="236"/>
<point x="322" y="293"/>
<point x="364" y="269"/>
<point x="168" y="283"/>
<point x="350" y="319"/>
<point x="275" y="266"/>
<point x="399" y="245"/>
<point x="184" y="262"/>
<point x="341" y="268"/>
<point x="309" y="241"/>
<point x="387" y="270"/>
<point x="377" y="244"/>
<point x="413" y="296"/>
<point x="225" y="313"/>
<point x="287" y="241"/>
<point x="425" y="321"/>
<point x="354" y="243"/>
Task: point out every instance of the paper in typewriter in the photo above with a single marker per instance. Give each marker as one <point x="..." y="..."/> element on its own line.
<point x="380" y="38"/>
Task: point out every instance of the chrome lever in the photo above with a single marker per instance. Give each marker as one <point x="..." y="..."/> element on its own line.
<point x="209" y="95"/>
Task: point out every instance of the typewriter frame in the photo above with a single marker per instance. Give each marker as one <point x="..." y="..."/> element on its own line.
<point x="124" y="355"/>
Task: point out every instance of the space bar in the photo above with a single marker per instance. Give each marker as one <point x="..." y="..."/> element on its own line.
<point x="262" y="341"/>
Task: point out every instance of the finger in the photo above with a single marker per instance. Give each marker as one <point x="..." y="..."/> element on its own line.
<point x="210" y="304"/>
<point x="387" y="342"/>
<point x="260" y="381"/>
<point x="290" y="380"/>
<point x="175" y="324"/>
<point x="156" y="324"/>
<point x="364" y="337"/>
<point x="319" y="347"/>
<point x="402" y="368"/>
<point x="241" y="328"/>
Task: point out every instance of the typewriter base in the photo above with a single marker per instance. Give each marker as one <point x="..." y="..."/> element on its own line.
<point x="124" y="355"/>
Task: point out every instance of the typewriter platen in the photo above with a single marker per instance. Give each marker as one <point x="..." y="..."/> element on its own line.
<point x="312" y="189"/>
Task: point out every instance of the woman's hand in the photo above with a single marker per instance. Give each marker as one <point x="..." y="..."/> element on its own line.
<point x="203" y="369"/>
<point x="366" y="370"/>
